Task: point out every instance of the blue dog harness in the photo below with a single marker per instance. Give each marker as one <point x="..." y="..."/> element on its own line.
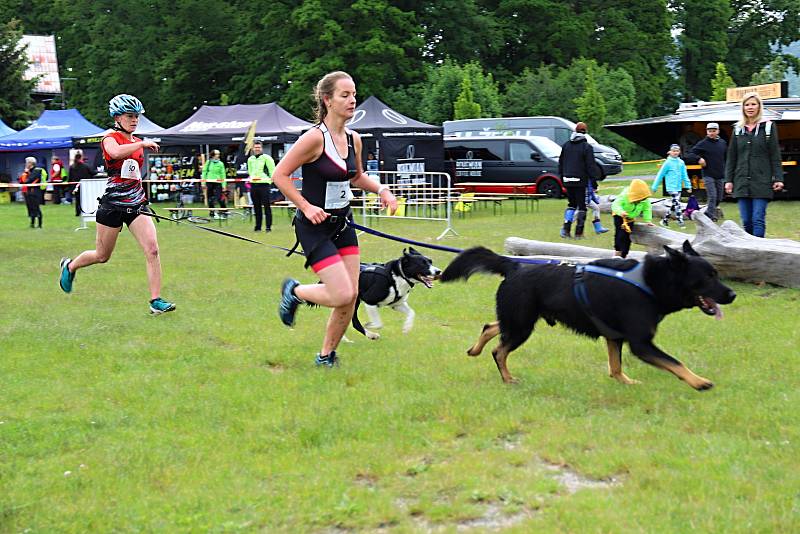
<point x="633" y="276"/>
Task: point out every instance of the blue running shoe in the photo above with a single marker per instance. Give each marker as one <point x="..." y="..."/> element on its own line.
<point x="65" y="278"/>
<point x="330" y="360"/>
<point x="159" y="306"/>
<point x="289" y="301"/>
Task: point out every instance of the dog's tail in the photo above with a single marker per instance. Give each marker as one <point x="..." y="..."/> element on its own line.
<point x="477" y="260"/>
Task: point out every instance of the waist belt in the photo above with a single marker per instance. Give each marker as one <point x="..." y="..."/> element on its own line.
<point x="333" y="227"/>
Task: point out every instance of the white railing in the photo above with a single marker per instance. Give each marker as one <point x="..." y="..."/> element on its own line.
<point x="422" y="196"/>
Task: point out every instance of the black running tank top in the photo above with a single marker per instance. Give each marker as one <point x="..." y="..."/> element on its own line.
<point x="326" y="180"/>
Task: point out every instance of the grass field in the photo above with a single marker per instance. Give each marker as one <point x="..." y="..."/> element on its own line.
<point x="213" y="418"/>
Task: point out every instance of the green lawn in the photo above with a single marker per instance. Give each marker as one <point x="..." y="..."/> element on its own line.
<point x="213" y="418"/>
<point x="639" y="169"/>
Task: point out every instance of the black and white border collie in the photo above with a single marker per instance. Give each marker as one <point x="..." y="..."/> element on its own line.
<point x="388" y="285"/>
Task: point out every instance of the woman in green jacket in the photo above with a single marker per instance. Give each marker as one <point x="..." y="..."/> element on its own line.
<point x="753" y="169"/>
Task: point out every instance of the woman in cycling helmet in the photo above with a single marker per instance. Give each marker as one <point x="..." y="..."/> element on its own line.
<point x="122" y="201"/>
<point x="330" y="155"/>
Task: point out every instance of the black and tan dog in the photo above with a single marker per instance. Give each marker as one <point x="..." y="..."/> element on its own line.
<point x="621" y="300"/>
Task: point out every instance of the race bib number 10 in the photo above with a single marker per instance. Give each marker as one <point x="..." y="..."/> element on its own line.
<point x="337" y="195"/>
<point x="130" y="170"/>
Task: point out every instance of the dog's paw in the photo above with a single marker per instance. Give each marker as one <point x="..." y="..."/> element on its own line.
<point x="347" y="340"/>
<point x="372" y="335"/>
<point x="622" y="378"/>
<point x="407" y="329"/>
<point x="702" y="384"/>
<point x="472" y="351"/>
<point x="373" y="326"/>
<point x="511" y="380"/>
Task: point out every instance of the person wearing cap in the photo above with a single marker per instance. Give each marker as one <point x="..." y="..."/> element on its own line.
<point x="673" y="173"/>
<point x="215" y="180"/>
<point x="633" y="202"/>
<point x="710" y="154"/>
<point x="576" y="167"/>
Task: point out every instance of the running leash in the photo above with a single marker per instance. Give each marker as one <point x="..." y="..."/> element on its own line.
<point x="454" y="250"/>
<point x="214" y="230"/>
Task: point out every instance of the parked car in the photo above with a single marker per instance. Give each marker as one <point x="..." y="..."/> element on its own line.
<point x="505" y="159"/>
<point x="556" y="129"/>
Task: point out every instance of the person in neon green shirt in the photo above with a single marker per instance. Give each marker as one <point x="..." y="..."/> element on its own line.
<point x="259" y="171"/>
<point x="634" y="201"/>
<point x="215" y="180"/>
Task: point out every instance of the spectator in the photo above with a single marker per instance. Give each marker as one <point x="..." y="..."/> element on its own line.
<point x="710" y="154"/>
<point x="633" y="202"/>
<point x="259" y="171"/>
<point x="753" y="171"/>
<point x="34" y="196"/>
<point x="215" y="180"/>
<point x="57" y="174"/>
<point x="576" y="166"/>
<point x="673" y="173"/>
<point x="79" y="171"/>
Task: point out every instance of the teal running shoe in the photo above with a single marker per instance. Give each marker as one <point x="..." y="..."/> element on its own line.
<point x="289" y="302"/>
<point x="65" y="277"/>
<point x="159" y="306"/>
<point x="329" y="360"/>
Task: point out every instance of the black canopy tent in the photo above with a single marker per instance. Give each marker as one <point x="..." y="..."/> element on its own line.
<point x="225" y="125"/>
<point x="392" y="136"/>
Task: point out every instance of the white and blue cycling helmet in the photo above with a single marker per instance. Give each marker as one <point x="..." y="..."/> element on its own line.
<point x="124" y="104"/>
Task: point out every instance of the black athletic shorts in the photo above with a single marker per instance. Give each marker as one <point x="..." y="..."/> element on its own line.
<point x="108" y="215"/>
<point x="324" y="244"/>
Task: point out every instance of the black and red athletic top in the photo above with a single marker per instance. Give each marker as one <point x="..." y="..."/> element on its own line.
<point x="124" y="186"/>
<point x="326" y="180"/>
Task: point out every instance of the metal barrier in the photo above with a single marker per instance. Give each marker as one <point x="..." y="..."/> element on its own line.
<point x="423" y="196"/>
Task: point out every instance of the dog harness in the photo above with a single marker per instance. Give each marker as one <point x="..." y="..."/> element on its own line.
<point x="633" y="276"/>
<point x="378" y="281"/>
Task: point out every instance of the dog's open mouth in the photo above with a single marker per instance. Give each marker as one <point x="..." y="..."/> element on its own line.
<point x="427" y="280"/>
<point x="709" y="307"/>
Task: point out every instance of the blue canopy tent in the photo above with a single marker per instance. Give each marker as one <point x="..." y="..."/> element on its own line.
<point x="53" y="129"/>
<point x="5" y="130"/>
<point x="50" y="134"/>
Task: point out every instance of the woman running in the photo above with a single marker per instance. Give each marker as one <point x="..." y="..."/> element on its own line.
<point x="123" y="201"/>
<point x="330" y="156"/>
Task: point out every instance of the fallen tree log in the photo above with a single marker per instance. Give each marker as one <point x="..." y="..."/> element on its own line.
<point x="733" y="252"/>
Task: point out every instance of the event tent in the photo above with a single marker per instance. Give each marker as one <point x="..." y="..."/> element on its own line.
<point x="5" y="129"/>
<point x="53" y="129"/>
<point x="145" y="127"/>
<point x="397" y="137"/>
<point x="220" y="125"/>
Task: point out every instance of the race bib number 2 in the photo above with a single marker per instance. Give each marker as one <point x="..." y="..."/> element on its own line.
<point x="130" y="170"/>
<point x="337" y="195"/>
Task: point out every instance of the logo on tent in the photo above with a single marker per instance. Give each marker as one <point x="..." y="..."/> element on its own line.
<point x="410" y="151"/>
<point x="37" y="126"/>
<point x="394" y="116"/>
<point x="357" y="116"/>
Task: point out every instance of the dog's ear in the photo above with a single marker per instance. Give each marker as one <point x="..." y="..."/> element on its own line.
<point x="688" y="250"/>
<point x="411" y="250"/>
<point x="676" y="256"/>
<point x="405" y="252"/>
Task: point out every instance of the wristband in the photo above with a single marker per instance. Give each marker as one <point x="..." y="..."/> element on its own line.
<point x="382" y="188"/>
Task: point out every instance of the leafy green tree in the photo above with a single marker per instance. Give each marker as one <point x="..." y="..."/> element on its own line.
<point x="16" y="107"/>
<point x="635" y="35"/>
<point x="703" y="42"/>
<point x="774" y="72"/>
<point x="590" y="105"/>
<point x="758" y="29"/>
<point x="465" y="107"/>
<point x="383" y="49"/>
<point x="444" y="85"/>
<point x="721" y="82"/>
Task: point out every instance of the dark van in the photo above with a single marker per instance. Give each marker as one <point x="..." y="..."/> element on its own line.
<point x="557" y="129"/>
<point x="507" y="159"/>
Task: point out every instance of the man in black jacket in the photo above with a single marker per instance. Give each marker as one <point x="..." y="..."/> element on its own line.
<point x="710" y="153"/>
<point x="79" y="171"/>
<point x="576" y="166"/>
